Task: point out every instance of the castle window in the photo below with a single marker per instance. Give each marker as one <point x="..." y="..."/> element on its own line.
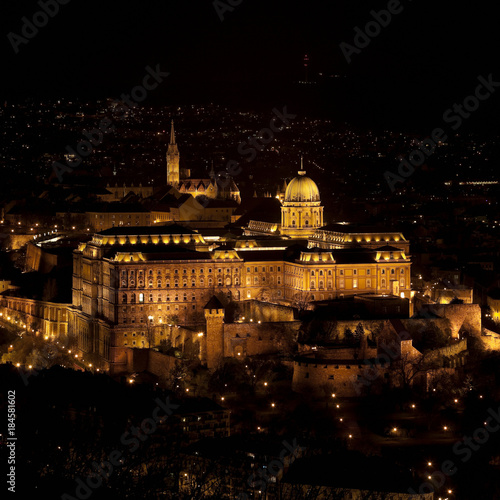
<point x="383" y="283"/>
<point x="176" y="271"/>
<point x="341" y="272"/>
<point x="367" y="271"/>
<point x="312" y="273"/>
<point x="403" y="271"/>
<point x="201" y="271"/>
<point x="167" y="283"/>
<point x="150" y="283"/>
<point x="219" y="281"/>
<point x="256" y="281"/>
<point x="141" y="298"/>
<point x="132" y="298"/>
<point x="184" y="271"/>
<point x="176" y="283"/>
<point x="313" y="284"/>
<point x="312" y="297"/>
<point x="368" y="283"/>
<point x="392" y="271"/>
<point x="402" y="282"/>
<point x="321" y="285"/>
<point x="329" y="272"/>
<point x="159" y="297"/>
<point x="158" y="285"/>
<point x="271" y="269"/>
<point x="185" y="297"/>
<point x="341" y="283"/>
<point x="383" y="271"/>
<point x="124" y="298"/>
<point x="248" y="269"/>
<point x="279" y="268"/>
<point x="355" y="272"/>
<point x="151" y="272"/>
<point x="355" y="283"/>
<point x="321" y="273"/>
<point x="193" y="271"/>
<point x="256" y="269"/>
<point x="193" y="297"/>
<point x="279" y="280"/>
<point x="184" y="282"/>
<point x="330" y="377"/>
<point x="202" y="282"/>
<point x="150" y="297"/>
<point x="391" y="255"/>
<point x="176" y="297"/>
<point x="249" y="281"/>
<point x="210" y="282"/>
<point x="193" y="282"/>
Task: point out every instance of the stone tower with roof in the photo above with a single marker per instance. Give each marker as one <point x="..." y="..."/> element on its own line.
<point x="213" y="344"/>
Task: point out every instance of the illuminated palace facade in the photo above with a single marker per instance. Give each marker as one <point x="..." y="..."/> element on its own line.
<point x="128" y="280"/>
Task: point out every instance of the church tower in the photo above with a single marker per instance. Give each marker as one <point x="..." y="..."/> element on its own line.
<point x="173" y="171"/>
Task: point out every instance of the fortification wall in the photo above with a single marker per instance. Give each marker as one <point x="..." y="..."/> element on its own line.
<point x="250" y="339"/>
<point x="265" y="311"/>
<point x="467" y="316"/>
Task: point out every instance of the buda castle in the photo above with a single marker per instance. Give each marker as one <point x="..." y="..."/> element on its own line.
<point x="128" y="281"/>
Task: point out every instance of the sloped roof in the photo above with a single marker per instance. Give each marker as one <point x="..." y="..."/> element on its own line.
<point x="214" y="303"/>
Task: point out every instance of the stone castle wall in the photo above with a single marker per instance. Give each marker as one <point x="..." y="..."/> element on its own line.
<point x="466" y="315"/>
<point x="265" y="311"/>
<point x="140" y="360"/>
<point x="319" y="377"/>
<point x="250" y="339"/>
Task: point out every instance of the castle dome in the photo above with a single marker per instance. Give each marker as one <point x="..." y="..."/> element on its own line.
<point x="302" y="189"/>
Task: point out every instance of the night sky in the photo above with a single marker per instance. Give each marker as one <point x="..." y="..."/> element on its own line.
<point x="427" y="58"/>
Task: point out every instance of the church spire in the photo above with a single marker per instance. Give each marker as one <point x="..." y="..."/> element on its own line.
<point x="173" y="170"/>
<point x="172" y="133"/>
